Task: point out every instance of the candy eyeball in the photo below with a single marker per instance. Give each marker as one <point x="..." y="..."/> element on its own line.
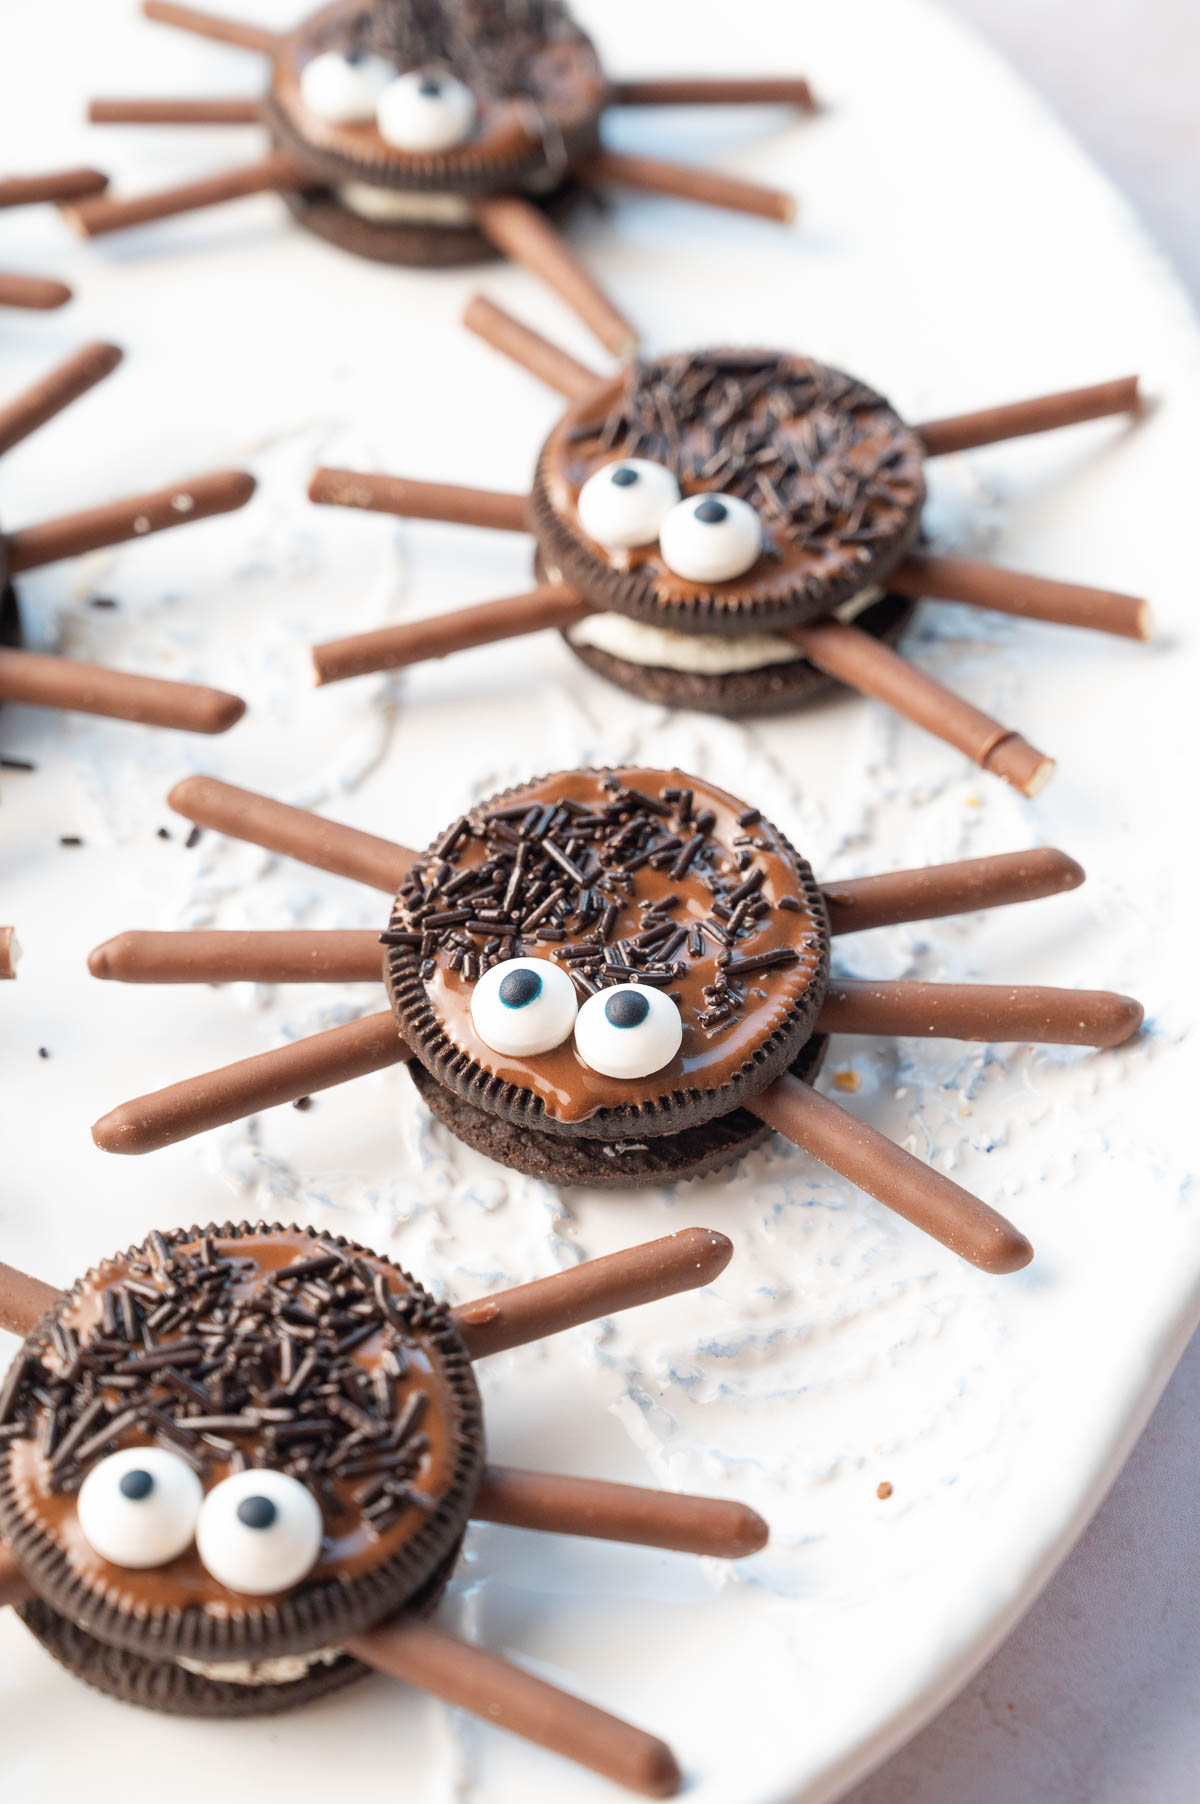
<point x="427" y="110"/>
<point x="630" y="1030"/>
<point x="524" y="1006"/>
<point x="625" y="503"/>
<point x="138" y="1508"/>
<point x="710" y="538"/>
<point x="259" y="1532"/>
<point x="343" y="90"/>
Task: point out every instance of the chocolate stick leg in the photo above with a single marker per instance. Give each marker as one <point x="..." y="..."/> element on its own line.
<point x="23" y="1300"/>
<point x="766" y="90"/>
<point x="237" y="955"/>
<point x="411" y="500"/>
<point x="660" y="1268"/>
<point x="522" y="232"/>
<point x="964" y="431"/>
<point x="59" y="184"/>
<point x="38" y="294"/>
<point x="48" y="397"/>
<point x="977" y="1011"/>
<point x="265" y="1082"/>
<point x="923" y="1196"/>
<point x="521" y="344"/>
<point x="873" y="668"/>
<point x="212" y="25"/>
<point x="651" y="175"/>
<point x="43" y="681"/>
<point x="293" y="832"/>
<point x="1030" y="597"/>
<point x="949" y="889"/>
<point x="13" y="1587"/>
<point x="174" y="112"/>
<point x="508" y="1697"/>
<point x="10" y="952"/>
<point x="414" y="641"/>
<point x="117" y="522"/>
<point x="269" y="175"/>
<point x="558" y="1505"/>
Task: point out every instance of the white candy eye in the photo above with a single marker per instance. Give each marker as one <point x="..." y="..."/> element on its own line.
<point x="343" y="90"/>
<point x="429" y="111"/>
<point x="625" y="503"/>
<point x="139" y="1507"/>
<point x="524" y="1006"/>
<point x="259" y="1532"/>
<point x="710" y="538"/>
<point x="628" y="1031"/>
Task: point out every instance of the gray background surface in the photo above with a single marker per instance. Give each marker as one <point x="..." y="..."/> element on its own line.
<point x="1096" y="1697"/>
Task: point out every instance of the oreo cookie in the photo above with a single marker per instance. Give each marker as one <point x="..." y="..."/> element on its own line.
<point x="405" y="114"/>
<point x="227" y="1451"/>
<point x="597" y="970"/>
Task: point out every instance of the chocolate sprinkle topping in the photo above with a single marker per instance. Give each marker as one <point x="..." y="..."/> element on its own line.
<point x="491" y="45"/>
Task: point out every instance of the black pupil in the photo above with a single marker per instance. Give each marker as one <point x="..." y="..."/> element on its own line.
<point x="256" y="1512"/>
<point x="431" y="87"/>
<point x="711" y="512"/>
<point x="136" y="1484"/>
<point x="626" y="1009"/>
<point x="623" y="477"/>
<point x="519" y="987"/>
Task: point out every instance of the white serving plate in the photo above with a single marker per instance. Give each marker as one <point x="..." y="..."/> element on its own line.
<point x="955" y="248"/>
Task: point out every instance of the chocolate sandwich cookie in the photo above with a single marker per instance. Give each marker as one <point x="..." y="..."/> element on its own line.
<point x="738" y="531"/>
<point x="674" y="948"/>
<point x="439" y="131"/>
<point x="237" y="1464"/>
<point x="302" y="1420"/>
<point x="598" y="976"/>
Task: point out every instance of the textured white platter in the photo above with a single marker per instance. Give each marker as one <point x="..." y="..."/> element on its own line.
<point x="955" y="249"/>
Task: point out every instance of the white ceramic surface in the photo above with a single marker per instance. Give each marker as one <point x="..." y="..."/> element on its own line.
<point x="955" y="249"/>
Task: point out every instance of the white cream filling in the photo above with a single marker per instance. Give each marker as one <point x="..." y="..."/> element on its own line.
<point x="283" y="1671"/>
<point x="401" y="206"/>
<point x="702" y="654"/>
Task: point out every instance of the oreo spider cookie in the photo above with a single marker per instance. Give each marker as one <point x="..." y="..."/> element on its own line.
<point x="607" y="956"/>
<point x="228" y="1450"/>
<point x="407" y="112"/>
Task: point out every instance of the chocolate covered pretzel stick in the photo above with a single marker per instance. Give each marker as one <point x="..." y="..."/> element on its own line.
<point x="414" y="641"/>
<point x="994" y="881"/>
<point x="659" y="1268"/>
<point x="13" y="1588"/>
<point x="1017" y="419"/>
<point x="294" y="832"/>
<point x="559" y="1505"/>
<point x="745" y="90"/>
<point x="506" y="1696"/>
<point x="653" y="175"/>
<point x="411" y="500"/>
<point x="522" y="345"/>
<point x="522" y="232"/>
<point x="1030" y="597"/>
<point x="271" y="174"/>
<point x="870" y="666"/>
<point x="39" y="293"/>
<point x="174" y="112"/>
<point x="10" y="952"/>
<point x="236" y="955"/>
<point x="52" y="393"/>
<point x="23" y="1300"/>
<point x="58" y="184"/>
<point x="43" y="681"/>
<point x="977" y="1011"/>
<point x="219" y="492"/>
<point x="212" y="25"/>
<point x="931" y="1201"/>
<point x="266" y="1081"/>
